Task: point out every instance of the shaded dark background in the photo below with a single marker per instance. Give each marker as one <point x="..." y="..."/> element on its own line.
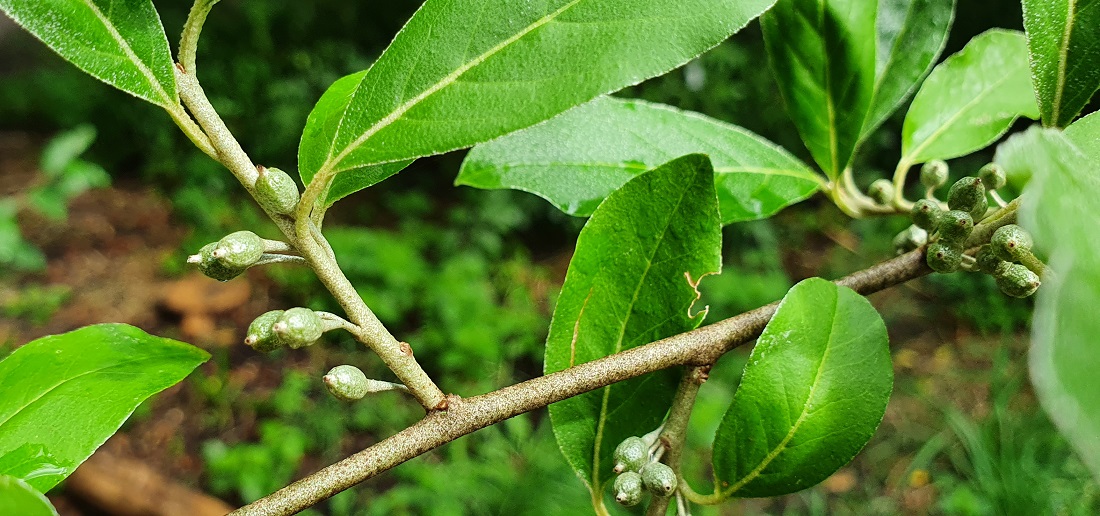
<point x="469" y="277"/>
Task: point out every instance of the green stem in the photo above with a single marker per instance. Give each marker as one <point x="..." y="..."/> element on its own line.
<point x="1000" y="218"/>
<point x="192" y="29"/>
<point x="674" y="434"/>
<point x="900" y="175"/>
<point x="1036" y="265"/>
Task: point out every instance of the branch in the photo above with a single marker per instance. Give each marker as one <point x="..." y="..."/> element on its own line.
<point x="699" y="347"/>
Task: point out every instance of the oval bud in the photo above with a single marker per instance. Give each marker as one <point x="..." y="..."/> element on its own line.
<point x="926" y="214"/>
<point x="934" y="174"/>
<point x="298" y="327"/>
<point x="276" y="191"/>
<point x="260" y="336"/>
<point x="993" y="176"/>
<point x="239" y="250"/>
<point x="882" y="191"/>
<point x="628" y="489"/>
<point x="988" y="261"/>
<point x="631" y="455"/>
<point x="347" y="383"/>
<point x="909" y="239"/>
<point x="968" y="194"/>
<point x="1011" y="242"/>
<point x="1017" y="281"/>
<point x="943" y="258"/>
<point x="658" y="479"/>
<point x="214" y="268"/>
<point x="955" y="226"/>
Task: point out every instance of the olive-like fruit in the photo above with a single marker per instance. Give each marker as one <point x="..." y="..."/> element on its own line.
<point x="658" y="478"/>
<point x="955" y="227"/>
<point x="276" y="191"/>
<point x="628" y="489"/>
<point x="239" y="250"/>
<point x="993" y="176"/>
<point x="347" y="383"/>
<point x="968" y="194"/>
<point x="926" y="214"/>
<point x="942" y="257"/>
<point x="630" y="455"/>
<point x="1018" y="281"/>
<point x="882" y="191"/>
<point x="1011" y="242"/>
<point x="260" y="335"/>
<point x="988" y="261"/>
<point x="909" y="239"/>
<point x="213" y="267"/>
<point x="934" y="174"/>
<point x="298" y="327"/>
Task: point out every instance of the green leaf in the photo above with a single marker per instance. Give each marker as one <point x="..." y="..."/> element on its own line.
<point x="823" y="55"/>
<point x="465" y="71"/>
<point x="65" y="148"/>
<point x="970" y="99"/>
<point x="911" y="36"/>
<point x="16" y="497"/>
<point x="813" y="392"/>
<point x="1059" y="209"/>
<point x="577" y="159"/>
<point x="1064" y="39"/>
<point x="1085" y="135"/>
<point x="120" y="42"/>
<point x="62" y="396"/>
<point x="631" y="282"/>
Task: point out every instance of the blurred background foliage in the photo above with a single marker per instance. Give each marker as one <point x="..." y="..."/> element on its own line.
<point x="469" y="277"/>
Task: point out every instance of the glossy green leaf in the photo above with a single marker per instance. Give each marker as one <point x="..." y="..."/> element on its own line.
<point x="1085" y="134"/>
<point x="463" y="72"/>
<point x="1060" y="210"/>
<point x="120" y="42"/>
<point x="18" y="498"/>
<point x="1064" y="39"/>
<point x="813" y="392"/>
<point x="911" y="36"/>
<point x="62" y="396"/>
<point x="970" y="99"/>
<point x="577" y="159"/>
<point x="631" y="282"/>
<point x="823" y="55"/>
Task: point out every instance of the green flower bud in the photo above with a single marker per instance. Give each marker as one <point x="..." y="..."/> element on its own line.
<point x="934" y="174"/>
<point x="1011" y="242"/>
<point x="1018" y="281"/>
<point x="298" y="327"/>
<point x="968" y="194"/>
<point x="926" y="214"/>
<point x="993" y="176"/>
<point x="955" y="226"/>
<point x="211" y="266"/>
<point x="276" y="191"/>
<point x="988" y="261"/>
<point x="658" y="478"/>
<point x="882" y="191"/>
<point x="943" y="258"/>
<point x="631" y="455"/>
<point x="347" y="383"/>
<point x="240" y="250"/>
<point x="260" y="336"/>
<point x="909" y="239"/>
<point x="628" y="489"/>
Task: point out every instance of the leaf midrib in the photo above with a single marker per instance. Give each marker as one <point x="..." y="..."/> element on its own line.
<point x="779" y="448"/>
<point x="443" y="83"/>
<point x="126" y="49"/>
<point x="1063" y="60"/>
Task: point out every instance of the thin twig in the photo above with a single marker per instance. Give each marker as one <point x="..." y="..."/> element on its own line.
<point x="695" y="348"/>
<point x="675" y="429"/>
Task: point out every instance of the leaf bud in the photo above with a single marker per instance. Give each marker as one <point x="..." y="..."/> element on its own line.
<point x="942" y="257"/>
<point x="1017" y="281"/>
<point x="347" y="383"/>
<point x="658" y="478"/>
<point x="276" y="191"/>
<point x="882" y="191"/>
<point x="909" y="239"/>
<point x="934" y="174"/>
<point x="298" y="327"/>
<point x="993" y="176"/>
<point x="968" y="194"/>
<point x="955" y="226"/>
<point x="631" y="455"/>
<point x="211" y="266"/>
<point x="1011" y="242"/>
<point x="628" y="489"/>
<point x="988" y="261"/>
<point x="239" y="250"/>
<point x="260" y="336"/>
<point x="926" y="214"/>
